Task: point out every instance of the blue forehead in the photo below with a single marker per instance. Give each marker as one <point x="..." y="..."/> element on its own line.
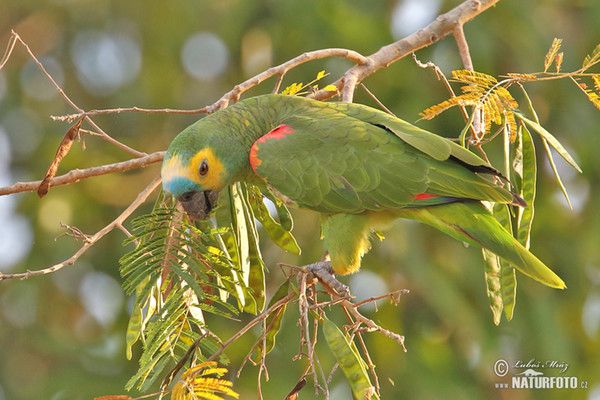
<point x="179" y="185"/>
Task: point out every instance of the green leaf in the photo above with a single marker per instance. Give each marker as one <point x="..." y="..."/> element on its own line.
<point x="493" y="285"/>
<point x="276" y="232"/>
<point x="508" y="283"/>
<point x="283" y="213"/>
<point x="241" y="245"/>
<point x="256" y="272"/>
<point x="500" y="275"/>
<point x="349" y="361"/>
<point x="508" y="280"/>
<point x="550" y="139"/>
<point x="134" y="327"/>
<point x="273" y="322"/>
<point x="528" y="187"/>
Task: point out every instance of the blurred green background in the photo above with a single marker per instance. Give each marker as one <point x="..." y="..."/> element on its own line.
<point x="62" y="336"/>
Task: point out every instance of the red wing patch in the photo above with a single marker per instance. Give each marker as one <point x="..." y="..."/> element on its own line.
<point x="279" y="132"/>
<point x="424" y="196"/>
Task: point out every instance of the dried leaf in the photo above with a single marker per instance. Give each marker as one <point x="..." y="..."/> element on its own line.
<point x="592" y="96"/>
<point x="474" y="77"/>
<point x="511" y="124"/>
<point x="522" y="77"/>
<point x="467" y="99"/>
<point x="559" y="59"/>
<point x="551" y="55"/>
<point x="293" y="394"/>
<point x="592" y="58"/>
<point x="596" y="78"/>
<point x="63" y="149"/>
<point x="195" y="385"/>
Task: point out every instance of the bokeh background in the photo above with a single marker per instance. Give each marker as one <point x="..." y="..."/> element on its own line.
<point x="62" y="336"/>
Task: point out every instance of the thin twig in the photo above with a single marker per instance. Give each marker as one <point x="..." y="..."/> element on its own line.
<point x="379" y="103"/>
<point x="250" y="324"/>
<point x="70" y="102"/>
<point x="391" y="295"/>
<point x="141" y="198"/>
<point x="119" y="110"/>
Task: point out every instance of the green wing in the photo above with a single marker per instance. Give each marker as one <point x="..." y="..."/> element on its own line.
<point x="348" y="158"/>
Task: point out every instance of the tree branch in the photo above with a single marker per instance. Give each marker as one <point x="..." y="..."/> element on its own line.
<point x="16" y="38"/>
<point x="438" y="29"/>
<point x="78" y="174"/>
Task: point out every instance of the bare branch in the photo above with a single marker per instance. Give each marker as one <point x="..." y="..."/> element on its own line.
<point x="282" y="69"/>
<point x="72" y="117"/>
<point x="438" y="29"/>
<point x="78" y="174"/>
<point x="250" y="324"/>
<point x="91" y="240"/>
<point x="16" y="38"/>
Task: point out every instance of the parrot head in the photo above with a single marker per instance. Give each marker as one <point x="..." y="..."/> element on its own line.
<point x="193" y="172"/>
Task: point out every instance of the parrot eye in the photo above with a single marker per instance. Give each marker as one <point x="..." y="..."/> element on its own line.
<point x="203" y="168"/>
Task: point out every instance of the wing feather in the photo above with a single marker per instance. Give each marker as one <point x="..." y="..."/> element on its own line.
<point x="349" y="158"/>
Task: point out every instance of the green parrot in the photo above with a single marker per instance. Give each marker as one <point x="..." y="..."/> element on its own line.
<point x="358" y="167"/>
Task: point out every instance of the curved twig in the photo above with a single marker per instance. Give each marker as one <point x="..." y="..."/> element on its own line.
<point x="91" y="240"/>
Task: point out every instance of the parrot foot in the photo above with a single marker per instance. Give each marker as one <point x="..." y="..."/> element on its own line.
<point x="324" y="273"/>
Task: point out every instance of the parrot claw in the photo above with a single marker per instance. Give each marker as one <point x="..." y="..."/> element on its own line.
<point x="324" y="273"/>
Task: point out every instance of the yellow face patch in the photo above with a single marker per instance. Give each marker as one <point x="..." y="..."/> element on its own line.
<point x="175" y="168"/>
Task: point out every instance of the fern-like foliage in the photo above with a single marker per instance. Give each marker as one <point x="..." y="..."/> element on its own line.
<point x="175" y="272"/>
<point x="180" y="270"/>
<point x="203" y="382"/>
<point x="485" y="93"/>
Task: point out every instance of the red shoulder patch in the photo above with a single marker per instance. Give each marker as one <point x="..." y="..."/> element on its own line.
<point x="279" y="132"/>
<point x="424" y="196"/>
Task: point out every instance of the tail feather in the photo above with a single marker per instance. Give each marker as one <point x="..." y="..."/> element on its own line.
<point x="473" y="223"/>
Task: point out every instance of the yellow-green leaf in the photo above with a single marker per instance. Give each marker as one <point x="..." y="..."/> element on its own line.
<point x="349" y="361"/>
<point x="551" y="55"/>
<point x="528" y="187"/>
<point x="273" y="322"/>
<point x="592" y="58"/>
<point x="280" y="236"/>
<point x="492" y="284"/>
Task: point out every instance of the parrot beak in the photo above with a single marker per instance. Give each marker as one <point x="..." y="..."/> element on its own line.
<point x="199" y="205"/>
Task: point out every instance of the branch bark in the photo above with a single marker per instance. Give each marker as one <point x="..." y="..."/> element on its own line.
<point x="78" y="174"/>
<point x="438" y="29"/>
